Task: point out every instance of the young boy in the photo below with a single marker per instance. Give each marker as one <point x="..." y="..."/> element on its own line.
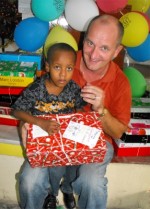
<point x="53" y="93"/>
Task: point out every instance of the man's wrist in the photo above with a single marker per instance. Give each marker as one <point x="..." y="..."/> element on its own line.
<point x="102" y="113"/>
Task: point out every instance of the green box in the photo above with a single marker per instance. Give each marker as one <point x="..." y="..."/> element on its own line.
<point x="18" y="69"/>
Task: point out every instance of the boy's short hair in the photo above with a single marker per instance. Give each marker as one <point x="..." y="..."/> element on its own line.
<point x="59" y="46"/>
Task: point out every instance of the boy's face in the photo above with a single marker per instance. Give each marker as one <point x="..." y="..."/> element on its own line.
<point x="61" y="68"/>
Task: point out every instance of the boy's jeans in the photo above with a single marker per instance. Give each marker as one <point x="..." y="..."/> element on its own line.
<point x="90" y="183"/>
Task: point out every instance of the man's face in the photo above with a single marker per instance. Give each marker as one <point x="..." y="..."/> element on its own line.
<point x="100" y="46"/>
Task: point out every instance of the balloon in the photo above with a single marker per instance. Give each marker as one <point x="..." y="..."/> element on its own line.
<point x="136" y="29"/>
<point x="139" y="5"/>
<point x="78" y="13"/>
<point x="137" y="81"/>
<point x="47" y="10"/>
<point x="57" y="35"/>
<point x="146" y="17"/>
<point x="111" y="6"/>
<point x="140" y="53"/>
<point x="31" y="33"/>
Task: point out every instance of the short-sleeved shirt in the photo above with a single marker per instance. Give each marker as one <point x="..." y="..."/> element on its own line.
<point x="36" y="99"/>
<point x="116" y="87"/>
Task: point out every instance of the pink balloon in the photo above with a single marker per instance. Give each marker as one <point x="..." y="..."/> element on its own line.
<point x="111" y="6"/>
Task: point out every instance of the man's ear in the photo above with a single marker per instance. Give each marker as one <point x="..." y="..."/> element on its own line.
<point x="46" y="66"/>
<point x="118" y="50"/>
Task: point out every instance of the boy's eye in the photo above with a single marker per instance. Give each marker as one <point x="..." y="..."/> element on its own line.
<point x="69" y="68"/>
<point x="56" y="67"/>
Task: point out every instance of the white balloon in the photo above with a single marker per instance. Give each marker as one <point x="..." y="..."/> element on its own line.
<point x="78" y="13"/>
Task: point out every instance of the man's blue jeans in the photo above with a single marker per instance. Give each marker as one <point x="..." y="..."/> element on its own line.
<point x="88" y="181"/>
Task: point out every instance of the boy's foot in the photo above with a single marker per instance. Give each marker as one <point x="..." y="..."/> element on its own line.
<point x="50" y="202"/>
<point x="69" y="200"/>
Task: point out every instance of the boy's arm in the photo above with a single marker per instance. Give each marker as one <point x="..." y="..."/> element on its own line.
<point x="50" y="126"/>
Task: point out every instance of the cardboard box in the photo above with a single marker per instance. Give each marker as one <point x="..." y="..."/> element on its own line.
<point x="140" y="108"/>
<point x="18" y="69"/>
<point x="15" y="81"/>
<point x="7" y="100"/>
<point x="16" y="73"/>
<point x="11" y="90"/>
<point x="136" y="140"/>
<point x="56" y="150"/>
<point x="124" y="149"/>
<point x="138" y="131"/>
<point x="6" y="118"/>
<point x="20" y="57"/>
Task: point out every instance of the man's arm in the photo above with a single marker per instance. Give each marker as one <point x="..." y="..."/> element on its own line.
<point x="111" y="125"/>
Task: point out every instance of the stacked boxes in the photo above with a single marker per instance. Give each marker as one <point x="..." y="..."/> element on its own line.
<point x="136" y="140"/>
<point x="17" y="71"/>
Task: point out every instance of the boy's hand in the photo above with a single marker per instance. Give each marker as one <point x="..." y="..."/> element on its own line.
<point x="50" y="126"/>
<point x="24" y="132"/>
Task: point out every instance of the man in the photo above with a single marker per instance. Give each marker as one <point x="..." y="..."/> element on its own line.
<point x="107" y="91"/>
<point x="106" y="88"/>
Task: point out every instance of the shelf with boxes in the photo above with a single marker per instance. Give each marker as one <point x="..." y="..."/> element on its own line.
<point x="136" y="140"/>
<point x="17" y="71"/>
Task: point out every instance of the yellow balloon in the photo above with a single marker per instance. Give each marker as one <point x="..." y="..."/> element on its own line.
<point x="59" y="35"/>
<point x="136" y="29"/>
<point x="139" y="5"/>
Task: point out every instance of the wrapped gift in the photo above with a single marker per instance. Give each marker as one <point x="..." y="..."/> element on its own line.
<point x="138" y="131"/>
<point x="14" y="73"/>
<point x="19" y="69"/>
<point x="22" y="57"/>
<point x="136" y="140"/>
<point x="7" y="100"/>
<point x="140" y="108"/>
<point x="70" y="146"/>
<point x="11" y="90"/>
<point x="6" y="118"/>
<point x="123" y="149"/>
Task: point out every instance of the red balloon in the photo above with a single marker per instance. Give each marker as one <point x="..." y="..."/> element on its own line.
<point x="111" y="6"/>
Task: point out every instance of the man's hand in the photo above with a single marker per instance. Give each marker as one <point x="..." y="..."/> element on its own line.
<point x="94" y="96"/>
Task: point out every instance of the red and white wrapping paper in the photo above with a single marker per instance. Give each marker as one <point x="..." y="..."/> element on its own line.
<point x="54" y="150"/>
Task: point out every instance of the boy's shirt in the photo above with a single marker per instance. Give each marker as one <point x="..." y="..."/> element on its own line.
<point x="36" y="99"/>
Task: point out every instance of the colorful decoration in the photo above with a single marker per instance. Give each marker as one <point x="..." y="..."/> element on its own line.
<point x="47" y="10"/>
<point x="136" y="29"/>
<point x="137" y="81"/>
<point x="111" y="6"/>
<point x="139" y="5"/>
<point x="78" y="13"/>
<point x="30" y="34"/>
<point x="140" y="53"/>
<point x="59" y="34"/>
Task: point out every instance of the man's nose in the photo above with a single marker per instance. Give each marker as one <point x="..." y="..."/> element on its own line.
<point x="94" y="53"/>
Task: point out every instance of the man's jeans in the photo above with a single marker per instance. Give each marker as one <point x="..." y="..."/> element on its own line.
<point x="89" y="182"/>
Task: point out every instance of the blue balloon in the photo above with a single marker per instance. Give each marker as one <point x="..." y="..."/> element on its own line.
<point x="30" y="34"/>
<point x="140" y="53"/>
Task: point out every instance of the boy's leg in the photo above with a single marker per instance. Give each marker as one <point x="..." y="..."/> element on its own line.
<point x="66" y="186"/>
<point x="69" y="176"/>
<point x="55" y="175"/>
<point x="33" y="186"/>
